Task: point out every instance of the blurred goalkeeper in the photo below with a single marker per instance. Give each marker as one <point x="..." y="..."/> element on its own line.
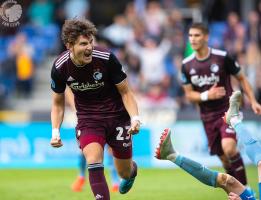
<point x="106" y="109"/>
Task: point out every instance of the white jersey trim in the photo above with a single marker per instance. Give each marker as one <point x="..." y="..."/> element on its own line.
<point x="100" y="56"/>
<point x="189" y="58"/>
<point x="218" y="52"/>
<point x="63" y="61"/>
<point x="100" y="52"/>
<point x="61" y="58"/>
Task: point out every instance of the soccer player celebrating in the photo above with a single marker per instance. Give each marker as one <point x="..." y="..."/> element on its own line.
<point x="252" y="146"/>
<point x="228" y="183"/>
<point x="206" y="81"/>
<point x="106" y="109"/>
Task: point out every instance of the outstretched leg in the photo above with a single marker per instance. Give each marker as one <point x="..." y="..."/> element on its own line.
<point x="234" y="119"/>
<point x="165" y="151"/>
<point x="252" y="146"/>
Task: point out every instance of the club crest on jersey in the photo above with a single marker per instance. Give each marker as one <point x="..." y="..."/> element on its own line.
<point x="214" y="68"/>
<point x="97" y="76"/>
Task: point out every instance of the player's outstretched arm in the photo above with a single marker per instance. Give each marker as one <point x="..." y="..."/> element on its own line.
<point x="57" y="114"/>
<point x="130" y="105"/>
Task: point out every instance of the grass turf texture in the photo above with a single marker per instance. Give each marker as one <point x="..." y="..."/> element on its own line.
<point x="151" y="184"/>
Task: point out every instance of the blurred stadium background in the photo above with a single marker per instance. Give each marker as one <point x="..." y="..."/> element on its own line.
<point x="30" y="42"/>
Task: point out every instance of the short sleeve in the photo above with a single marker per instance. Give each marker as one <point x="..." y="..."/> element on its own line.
<point x="184" y="78"/>
<point x="116" y="70"/>
<point x="58" y="85"/>
<point x="231" y="65"/>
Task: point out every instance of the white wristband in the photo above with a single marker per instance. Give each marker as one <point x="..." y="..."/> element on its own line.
<point x="55" y="133"/>
<point x="135" y="118"/>
<point x="204" y="96"/>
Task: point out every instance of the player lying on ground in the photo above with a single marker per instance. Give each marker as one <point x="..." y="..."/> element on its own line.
<point x="253" y="148"/>
<point x="165" y="151"/>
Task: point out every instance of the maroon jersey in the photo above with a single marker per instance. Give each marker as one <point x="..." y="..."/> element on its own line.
<point x="203" y="74"/>
<point x="95" y="94"/>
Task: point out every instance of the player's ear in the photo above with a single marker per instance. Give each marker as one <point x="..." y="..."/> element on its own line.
<point x="206" y="38"/>
<point x="68" y="46"/>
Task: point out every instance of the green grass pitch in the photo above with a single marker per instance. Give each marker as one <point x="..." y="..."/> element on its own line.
<point x="151" y="184"/>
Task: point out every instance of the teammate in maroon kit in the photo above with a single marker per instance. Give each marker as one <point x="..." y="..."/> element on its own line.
<point x="206" y="81"/>
<point x="106" y="109"/>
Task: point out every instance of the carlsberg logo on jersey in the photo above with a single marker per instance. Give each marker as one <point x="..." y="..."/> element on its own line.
<point x="86" y="86"/>
<point x="204" y="80"/>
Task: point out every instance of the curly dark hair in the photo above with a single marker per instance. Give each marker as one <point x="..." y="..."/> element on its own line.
<point x="73" y="28"/>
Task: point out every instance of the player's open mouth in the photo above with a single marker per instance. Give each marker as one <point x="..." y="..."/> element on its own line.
<point x="87" y="54"/>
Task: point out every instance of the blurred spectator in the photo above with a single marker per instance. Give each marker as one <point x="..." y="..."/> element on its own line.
<point x="76" y="8"/>
<point x="259" y="25"/>
<point x="154" y="18"/>
<point x="253" y="56"/>
<point x="133" y="71"/>
<point x="41" y="12"/>
<point x="23" y="53"/>
<point x="234" y="36"/>
<point x="7" y="77"/>
<point x="131" y="13"/>
<point x="258" y="84"/>
<point x="139" y="31"/>
<point x="174" y="70"/>
<point x="157" y="107"/>
<point x="119" y="32"/>
<point x="173" y="4"/>
<point x="140" y="6"/>
<point x="253" y="50"/>
<point x="214" y="10"/>
<point x="152" y="57"/>
<point x="253" y="29"/>
<point x="174" y="30"/>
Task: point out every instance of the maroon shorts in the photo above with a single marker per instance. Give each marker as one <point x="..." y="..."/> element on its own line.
<point x="113" y="131"/>
<point x="216" y="130"/>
